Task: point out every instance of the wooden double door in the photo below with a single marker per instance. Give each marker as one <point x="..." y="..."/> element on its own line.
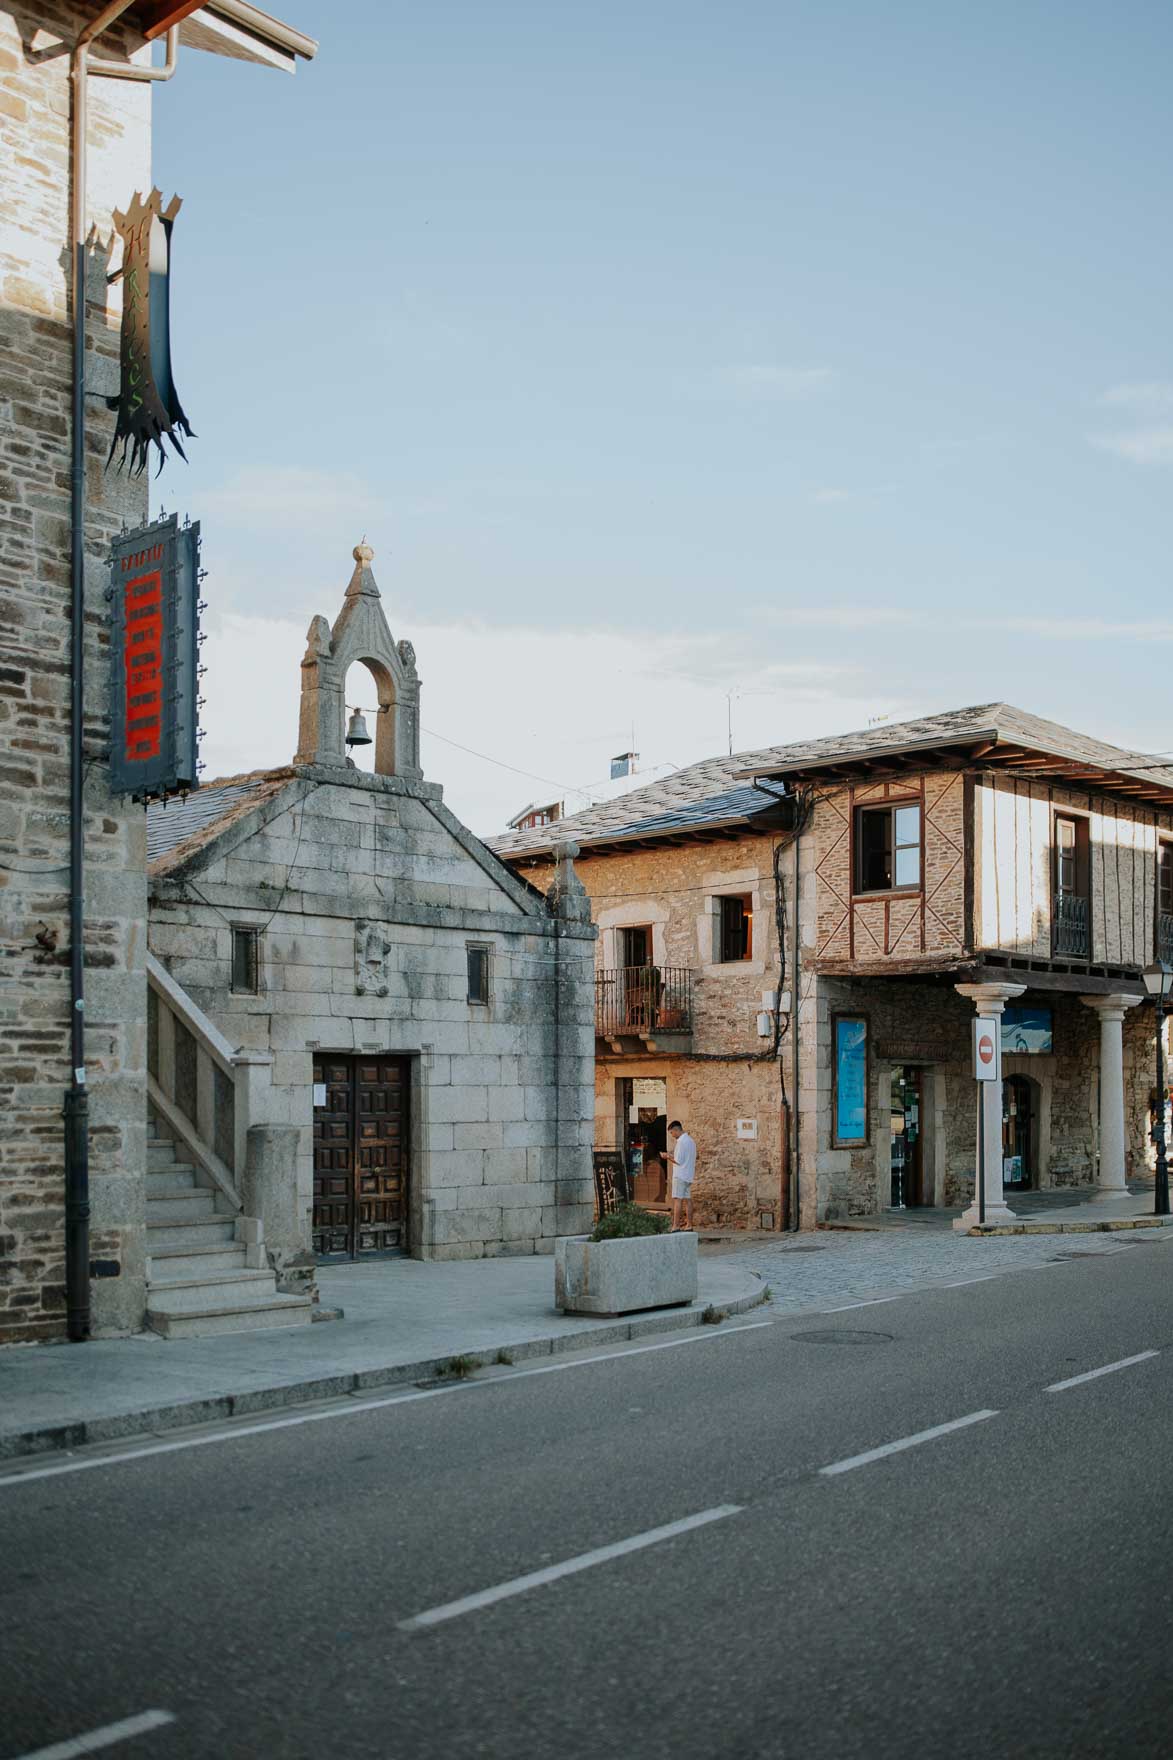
<point x="361" y="1156"/>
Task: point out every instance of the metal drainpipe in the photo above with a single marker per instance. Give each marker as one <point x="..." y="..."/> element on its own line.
<point x="76" y="1109"/>
<point x="794" y="1219"/>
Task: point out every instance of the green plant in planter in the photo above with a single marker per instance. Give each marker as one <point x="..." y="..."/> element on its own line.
<point x="626" y="1222"/>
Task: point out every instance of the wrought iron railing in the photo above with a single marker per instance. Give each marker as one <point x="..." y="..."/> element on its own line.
<point x="1165" y="936"/>
<point x="643" y="999"/>
<point x="1069" y="934"/>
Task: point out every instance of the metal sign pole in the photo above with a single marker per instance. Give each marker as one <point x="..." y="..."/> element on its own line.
<point x="981" y="1154"/>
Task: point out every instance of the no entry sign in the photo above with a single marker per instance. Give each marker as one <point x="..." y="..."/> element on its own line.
<point x="987" y="1064"/>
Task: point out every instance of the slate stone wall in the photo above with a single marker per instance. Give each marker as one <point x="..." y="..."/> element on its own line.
<point x="35" y="402"/>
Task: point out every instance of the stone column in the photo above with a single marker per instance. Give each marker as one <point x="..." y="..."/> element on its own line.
<point x="989" y="1000"/>
<point x="1112" y="1182"/>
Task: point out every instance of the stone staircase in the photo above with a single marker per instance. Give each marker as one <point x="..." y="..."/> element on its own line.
<point x="206" y="1268"/>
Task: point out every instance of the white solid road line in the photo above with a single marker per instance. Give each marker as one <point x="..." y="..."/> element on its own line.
<point x="569" y="1567"/>
<point x="1094" y="1374"/>
<point x="877" y="1454"/>
<point x="96" y="1739"/>
<point x="232" y="1432"/>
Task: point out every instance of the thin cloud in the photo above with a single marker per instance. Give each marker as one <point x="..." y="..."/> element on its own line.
<point x="1141" y="446"/>
<point x="830" y="497"/>
<point x="1150" y="394"/>
<point x="766" y="382"/>
<point x="1072" y="629"/>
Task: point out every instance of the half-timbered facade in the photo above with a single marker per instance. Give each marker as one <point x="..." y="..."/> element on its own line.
<point x="899" y="883"/>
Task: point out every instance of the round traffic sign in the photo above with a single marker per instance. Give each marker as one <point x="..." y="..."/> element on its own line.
<point x="986" y="1047"/>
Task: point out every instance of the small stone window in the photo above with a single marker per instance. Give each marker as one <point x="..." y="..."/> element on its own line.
<point x="246" y="961"/>
<point x="479" y="974"/>
<point x="734" y="929"/>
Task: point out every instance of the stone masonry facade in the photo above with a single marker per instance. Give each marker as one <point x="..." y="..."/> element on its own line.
<point x="732" y="1073"/>
<point x="35" y="397"/>
<point x="501" y="1092"/>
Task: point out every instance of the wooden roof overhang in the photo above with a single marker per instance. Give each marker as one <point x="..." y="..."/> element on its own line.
<point x="975" y="751"/>
<point x="619" y="842"/>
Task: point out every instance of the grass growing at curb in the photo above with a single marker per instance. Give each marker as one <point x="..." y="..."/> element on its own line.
<point x="506" y="1357"/>
<point x="458" y="1368"/>
<point x="714" y="1316"/>
<point x="626" y="1222"/>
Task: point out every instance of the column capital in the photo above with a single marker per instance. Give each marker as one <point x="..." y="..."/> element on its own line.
<point x="990" y="999"/>
<point x="1111" y="1008"/>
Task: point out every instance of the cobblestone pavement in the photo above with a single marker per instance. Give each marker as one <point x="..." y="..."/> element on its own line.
<point x="818" y="1271"/>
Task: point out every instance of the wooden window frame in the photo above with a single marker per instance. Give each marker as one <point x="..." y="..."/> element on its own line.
<point x="481" y="951"/>
<point x="254" y="936"/>
<point x="892" y="806"/>
<point x="851" y="1014"/>
<point x="722" y="900"/>
<point x="1164" y="850"/>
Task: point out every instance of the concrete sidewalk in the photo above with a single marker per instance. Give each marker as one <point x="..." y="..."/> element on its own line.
<point x="402" y="1321"/>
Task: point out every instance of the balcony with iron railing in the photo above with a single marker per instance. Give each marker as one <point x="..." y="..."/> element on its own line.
<point x="645" y="1003"/>
<point x="1070" y="937"/>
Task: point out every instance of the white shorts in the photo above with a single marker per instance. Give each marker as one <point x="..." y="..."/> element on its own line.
<point x="681" y="1188"/>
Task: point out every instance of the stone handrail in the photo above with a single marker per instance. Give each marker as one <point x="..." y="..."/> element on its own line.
<point x="206" y="1092"/>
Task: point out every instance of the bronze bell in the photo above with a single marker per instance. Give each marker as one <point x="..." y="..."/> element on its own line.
<point x="356" y="733"/>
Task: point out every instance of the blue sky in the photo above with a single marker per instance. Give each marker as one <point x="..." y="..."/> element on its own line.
<point x="820" y="354"/>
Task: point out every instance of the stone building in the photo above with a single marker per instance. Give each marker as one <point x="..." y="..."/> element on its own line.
<point x="407" y="1023"/>
<point x="36" y="390"/>
<point x="983" y="863"/>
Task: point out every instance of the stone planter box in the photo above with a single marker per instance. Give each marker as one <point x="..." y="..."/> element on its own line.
<point x="621" y="1277"/>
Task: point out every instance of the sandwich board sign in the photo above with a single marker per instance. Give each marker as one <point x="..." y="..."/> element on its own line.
<point x="987" y="1061"/>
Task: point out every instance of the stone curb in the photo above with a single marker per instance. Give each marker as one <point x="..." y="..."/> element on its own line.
<point x="1108" y="1227"/>
<point x="19" y="1445"/>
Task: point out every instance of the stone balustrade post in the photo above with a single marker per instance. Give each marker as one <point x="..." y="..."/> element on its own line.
<point x="989" y="1000"/>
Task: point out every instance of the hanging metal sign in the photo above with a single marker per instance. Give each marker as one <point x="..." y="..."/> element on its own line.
<point x="148" y="404"/>
<point x="154" y="671"/>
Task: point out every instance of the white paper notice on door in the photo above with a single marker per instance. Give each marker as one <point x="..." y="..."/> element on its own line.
<point x="319" y="1093"/>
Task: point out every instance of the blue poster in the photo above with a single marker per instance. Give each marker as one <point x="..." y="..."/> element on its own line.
<point x="1027" y="1030"/>
<point x="851" y="1066"/>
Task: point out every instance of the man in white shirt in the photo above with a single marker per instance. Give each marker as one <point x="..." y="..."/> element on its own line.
<point x="683" y="1173"/>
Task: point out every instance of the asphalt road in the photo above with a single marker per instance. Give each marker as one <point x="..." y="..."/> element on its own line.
<point x="361" y="1583"/>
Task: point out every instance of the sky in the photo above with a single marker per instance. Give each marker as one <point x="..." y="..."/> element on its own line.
<point x="782" y="366"/>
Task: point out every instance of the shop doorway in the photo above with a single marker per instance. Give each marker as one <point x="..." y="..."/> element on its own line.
<point x="1018" y="1169"/>
<point x="908" y="1177"/>
<point x="644" y="1101"/>
<point x="361" y="1156"/>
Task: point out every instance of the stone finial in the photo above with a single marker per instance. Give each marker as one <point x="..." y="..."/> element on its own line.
<point x="567" y="896"/>
<point x="362" y="581"/>
<point x="317" y="645"/>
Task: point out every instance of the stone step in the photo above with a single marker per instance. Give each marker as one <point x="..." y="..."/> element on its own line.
<point x="203" y="1231"/>
<point x="219" y="1256"/>
<point x="192" y="1292"/>
<point x="254" y="1317"/>
<point x="184" y="1205"/>
<point x="162" y="1180"/>
<point x="159" y="1152"/>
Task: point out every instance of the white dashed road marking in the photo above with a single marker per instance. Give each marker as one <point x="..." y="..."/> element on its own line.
<point x="877" y="1454"/>
<point x="1094" y="1374"/>
<point x="106" y="1737"/>
<point x="569" y="1567"/>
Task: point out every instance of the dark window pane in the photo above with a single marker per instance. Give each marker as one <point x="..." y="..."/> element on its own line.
<point x="478" y="974"/>
<point x="635" y="946"/>
<point x="1167" y="878"/>
<point x="736" y="929"/>
<point x="875" y="851"/>
<point x="244" y="961"/>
